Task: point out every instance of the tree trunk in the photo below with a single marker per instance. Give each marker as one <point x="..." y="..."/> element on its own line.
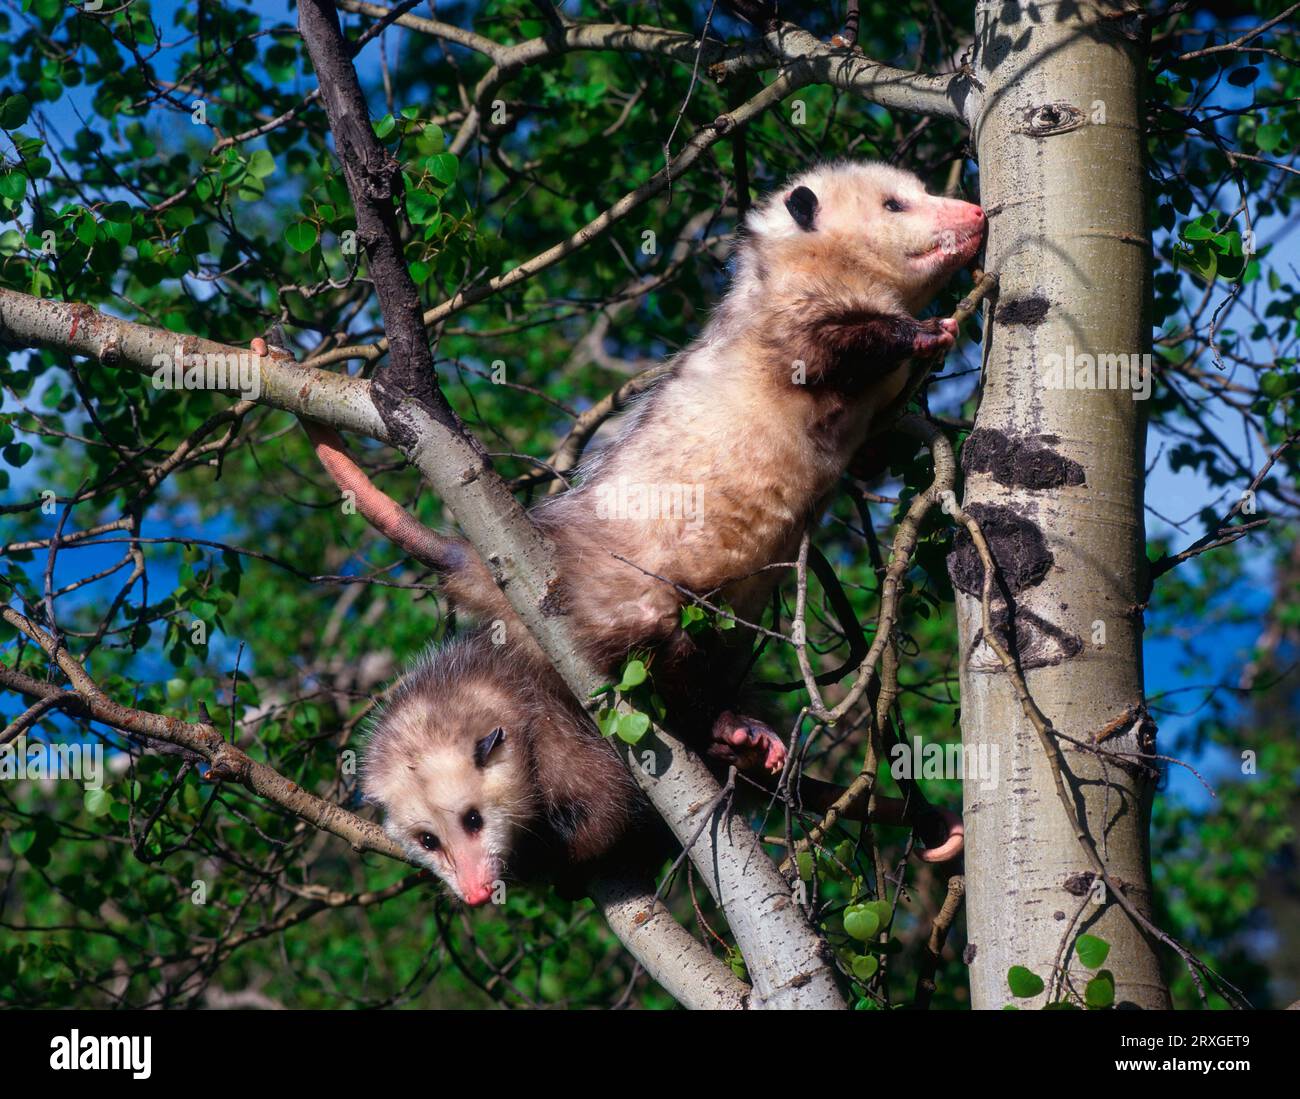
<point x="1055" y="479"/>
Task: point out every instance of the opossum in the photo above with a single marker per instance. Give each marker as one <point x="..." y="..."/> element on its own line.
<point x="484" y="771"/>
<point x="486" y="774"/>
<point x="753" y="424"/>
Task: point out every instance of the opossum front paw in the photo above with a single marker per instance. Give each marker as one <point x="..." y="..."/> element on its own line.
<point x="747" y="743"/>
<point x="935" y="337"/>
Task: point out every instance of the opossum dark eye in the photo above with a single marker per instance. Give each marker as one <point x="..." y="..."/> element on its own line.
<point x="429" y="841"/>
<point x="894" y="206"/>
<point x="472" y="821"/>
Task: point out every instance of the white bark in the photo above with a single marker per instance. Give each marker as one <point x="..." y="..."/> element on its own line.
<point x="676" y="959"/>
<point x="1059" y="137"/>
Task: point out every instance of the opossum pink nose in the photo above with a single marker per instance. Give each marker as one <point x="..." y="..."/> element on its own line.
<point x="478" y="894"/>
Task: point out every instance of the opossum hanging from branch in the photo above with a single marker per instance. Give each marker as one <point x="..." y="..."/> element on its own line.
<point x="486" y="773"/>
<point x="752" y="425"/>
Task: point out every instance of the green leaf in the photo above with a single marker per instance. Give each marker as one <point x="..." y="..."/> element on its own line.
<point x="883" y="909"/>
<point x="301" y="236"/>
<point x="22" y="841"/>
<point x="632" y="727"/>
<point x="1271" y="137"/>
<point x="14" y="111"/>
<point x="421" y="206"/>
<point x="805" y="863"/>
<point x="861" y="923"/>
<point x="444" y="167"/>
<point x="17" y="454"/>
<point x="97" y="802"/>
<point x="261" y="163"/>
<point x="384" y="126"/>
<point x="13" y="186"/>
<point x="281" y="63"/>
<point x="864" y="967"/>
<point x="430" y="139"/>
<point x="737" y="963"/>
<point x="85" y="230"/>
<point x="1092" y="951"/>
<point x="1024" y="983"/>
<point x="1100" y="991"/>
<point x="691" y="614"/>
<point x="634" y="674"/>
<point x="1272" y="384"/>
<point x="119" y="231"/>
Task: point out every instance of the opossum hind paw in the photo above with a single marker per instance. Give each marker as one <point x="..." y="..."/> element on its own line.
<point x="748" y="743"/>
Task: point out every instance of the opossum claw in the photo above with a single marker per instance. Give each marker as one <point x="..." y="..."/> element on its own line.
<point x="934" y="337"/>
<point x="746" y="742"/>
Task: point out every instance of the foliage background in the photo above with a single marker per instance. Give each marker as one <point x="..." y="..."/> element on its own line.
<point x="152" y="224"/>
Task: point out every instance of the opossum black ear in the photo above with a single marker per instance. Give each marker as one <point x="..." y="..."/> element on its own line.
<point x="484" y="747"/>
<point x="802" y="204"/>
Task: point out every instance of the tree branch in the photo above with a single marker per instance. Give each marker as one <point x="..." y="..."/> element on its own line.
<point x="334" y="399"/>
<point x="783" y="952"/>
<point x="671" y="954"/>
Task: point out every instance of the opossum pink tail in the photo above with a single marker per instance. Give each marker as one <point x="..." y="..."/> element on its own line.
<point x="465" y="579"/>
<point x="941" y="830"/>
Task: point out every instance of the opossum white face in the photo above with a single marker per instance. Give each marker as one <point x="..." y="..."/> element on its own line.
<point x="869" y="224"/>
<point x="454" y="787"/>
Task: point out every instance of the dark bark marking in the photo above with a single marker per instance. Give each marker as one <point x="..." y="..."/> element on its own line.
<point x="1028" y="311"/>
<point x="1036" y="642"/>
<point x="1022" y="462"/>
<point x="1018" y="547"/>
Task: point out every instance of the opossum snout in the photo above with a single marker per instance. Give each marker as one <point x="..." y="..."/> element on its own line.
<point x="958" y="232"/>
<point x="963" y="218"/>
<point x="478" y="894"/>
<point x="476" y="885"/>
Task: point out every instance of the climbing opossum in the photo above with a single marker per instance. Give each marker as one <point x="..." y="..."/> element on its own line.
<point x="487" y="773"/>
<point x="711" y="480"/>
<point x="715" y="474"/>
